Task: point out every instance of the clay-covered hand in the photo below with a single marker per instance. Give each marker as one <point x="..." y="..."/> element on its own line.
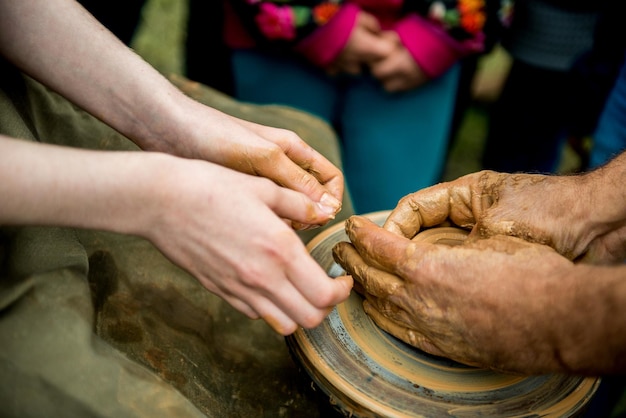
<point x="500" y="302"/>
<point x="365" y="46"/>
<point x="277" y="154"/>
<point x="398" y="71"/>
<point x="581" y="216"/>
<point x="225" y="228"/>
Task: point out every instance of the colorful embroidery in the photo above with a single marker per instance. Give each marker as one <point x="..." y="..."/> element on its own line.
<point x="324" y="12"/>
<point x="281" y="22"/>
<point x="292" y="20"/>
<point x="468" y="15"/>
<point x="276" y="22"/>
<point x="472" y="15"/>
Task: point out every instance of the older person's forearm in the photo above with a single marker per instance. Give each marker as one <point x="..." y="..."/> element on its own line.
<point x="607" y="193"/>
<point x="591" y="330"/>
<point x="586" y="213"/>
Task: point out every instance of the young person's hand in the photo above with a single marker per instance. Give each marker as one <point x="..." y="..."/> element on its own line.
<point x="224" y="227"/>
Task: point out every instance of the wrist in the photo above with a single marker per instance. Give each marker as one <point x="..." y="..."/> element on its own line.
<point x="143" y="192"/>
<point x="159" y="120"/>
<point x="600" y="193"/>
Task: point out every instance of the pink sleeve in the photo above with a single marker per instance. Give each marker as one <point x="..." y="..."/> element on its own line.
<point x="326" y="42"/>
<point x="431" y="47"/>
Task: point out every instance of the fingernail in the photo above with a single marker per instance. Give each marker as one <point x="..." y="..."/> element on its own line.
<point x="329" y="205"/>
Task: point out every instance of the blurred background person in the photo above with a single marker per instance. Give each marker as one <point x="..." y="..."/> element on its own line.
<point x="385" y="74"/>
<point x="555" y="89"/>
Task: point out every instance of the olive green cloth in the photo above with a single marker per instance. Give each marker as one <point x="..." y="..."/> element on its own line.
<point x="101" y="324"/>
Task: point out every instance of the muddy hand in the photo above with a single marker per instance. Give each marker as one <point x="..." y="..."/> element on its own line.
<point x="450" y="301"/>
<point x="279" y="155"/>
<point x="538" y="208"/>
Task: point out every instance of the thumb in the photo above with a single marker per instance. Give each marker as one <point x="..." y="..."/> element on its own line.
<point x="298" y="208"/>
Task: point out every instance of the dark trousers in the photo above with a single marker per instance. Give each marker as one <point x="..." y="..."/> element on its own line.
<point x="529" y="121"/>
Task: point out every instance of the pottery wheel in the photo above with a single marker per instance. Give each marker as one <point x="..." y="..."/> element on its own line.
<point x="366" y="372"/>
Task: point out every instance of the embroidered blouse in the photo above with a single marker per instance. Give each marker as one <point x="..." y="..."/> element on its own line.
<point x="436" y="32"/>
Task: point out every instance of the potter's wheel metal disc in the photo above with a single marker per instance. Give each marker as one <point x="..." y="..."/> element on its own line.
<point x="366" y="372"/>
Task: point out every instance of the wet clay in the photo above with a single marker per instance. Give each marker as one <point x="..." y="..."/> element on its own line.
<point x="366" y="372"/>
